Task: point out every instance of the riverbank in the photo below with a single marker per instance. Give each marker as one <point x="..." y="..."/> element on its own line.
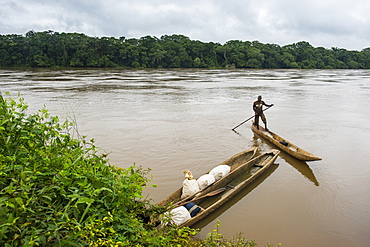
<point x="57" y="190"/>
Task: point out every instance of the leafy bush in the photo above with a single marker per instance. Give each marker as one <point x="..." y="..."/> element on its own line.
<point x="56" y="190"/>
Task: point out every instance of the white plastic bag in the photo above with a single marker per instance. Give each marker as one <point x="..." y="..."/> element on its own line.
<point x="220" y="171"/>
<point x="205" y="180"/>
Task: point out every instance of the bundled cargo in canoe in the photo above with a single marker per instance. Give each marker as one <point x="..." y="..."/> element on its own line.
<point x="213" y="197"/>
<point x="234" y="162"/>
<point x="284" y="145"/>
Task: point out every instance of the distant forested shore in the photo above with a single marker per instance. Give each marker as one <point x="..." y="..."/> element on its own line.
<point x="54" y="49"/>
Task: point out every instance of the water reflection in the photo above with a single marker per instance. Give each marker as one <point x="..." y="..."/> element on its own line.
<point x="299" y="165"/>
<point x="258" y="142"/>
<point x="214" y="215"/>
<point x="236" y="132"/>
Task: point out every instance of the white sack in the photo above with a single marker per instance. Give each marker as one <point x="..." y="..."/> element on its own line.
<point x="178" y="215"/>
<point x="205" y="180"/>
<point x="189" y="187"/>
<point x="220" y="171"/>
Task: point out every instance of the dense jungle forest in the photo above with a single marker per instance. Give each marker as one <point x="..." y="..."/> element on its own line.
<point x="54" y="49"/>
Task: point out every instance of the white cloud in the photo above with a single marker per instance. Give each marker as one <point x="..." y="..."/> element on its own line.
<point x="325" y="23"/>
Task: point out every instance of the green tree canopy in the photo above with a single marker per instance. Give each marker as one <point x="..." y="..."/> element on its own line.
<point x="53" y="49"/>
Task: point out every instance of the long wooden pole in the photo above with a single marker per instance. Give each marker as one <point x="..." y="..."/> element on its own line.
<point x="249" y="119"/>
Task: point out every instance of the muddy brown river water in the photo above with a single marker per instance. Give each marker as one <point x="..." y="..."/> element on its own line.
<point x="171" y="120"/>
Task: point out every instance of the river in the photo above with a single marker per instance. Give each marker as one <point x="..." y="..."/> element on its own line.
<point x="176" y="119"/>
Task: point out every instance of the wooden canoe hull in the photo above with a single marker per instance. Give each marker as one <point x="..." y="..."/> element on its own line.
<point x="234" y="162"/>
<point x="291" y="149"/>
<point x="255" y="167"/>
<point x="235" y="199"/>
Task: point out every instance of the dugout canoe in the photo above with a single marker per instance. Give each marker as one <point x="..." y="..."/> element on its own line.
<point x="234" y="162"/>
<point x="231" y="185"/>
<point x="238" y="197"/>
<point x="284" y="145"/>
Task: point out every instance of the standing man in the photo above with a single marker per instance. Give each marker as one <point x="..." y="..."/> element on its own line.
<point x="257" y="108"/>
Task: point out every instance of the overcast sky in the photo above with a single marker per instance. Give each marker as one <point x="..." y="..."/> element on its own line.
<point x="327" y="23"/>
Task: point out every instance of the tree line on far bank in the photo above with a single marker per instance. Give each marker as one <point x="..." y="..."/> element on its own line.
<point x="54" y="49"/>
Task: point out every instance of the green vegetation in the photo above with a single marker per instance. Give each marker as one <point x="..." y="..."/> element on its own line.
<point x="53" y="49"/>
<point x="57" y="190"/>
